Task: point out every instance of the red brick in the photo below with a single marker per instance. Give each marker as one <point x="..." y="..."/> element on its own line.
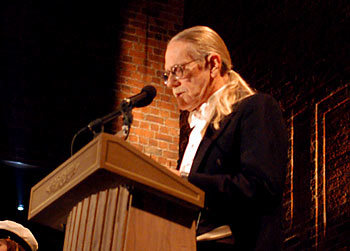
<point x="173" y="147"/>
<point x="170" y="155"/>
<point x="129" y="30"/>
<point x="162" y="161"/>
<point x="124" y="88"/>
<point x="130" y="37"/>
<point x="166" y="105"/>
<point x="141" y="17"/>
<point x="136" y="123"/>
<point x="127" y="58"/>
<point x="175" y="115"/>
<point x="153" y="142"/>
<point x="126" y="44"/>
<point x="134" y="89"/>
<point x="147" y="78"/>
<point x="172" y="123"/>
<point x="169" y="92"/>
<point x="156" y="58"/>
<point x="138" y="47"/>
<point x="144" y="125"/>
<point x="139" y="23"/>
<point x="140" y="32"/>
<point x="164" y="130"/>
<point x="157" y="66"/>
<point x="164" y="137"/>
<point x="135" y="83"/>
<point x="154" y="127"/>
<point x="157" y="81"/>
<point x="164" y="98"/>
<point x="126" y="73"/>
<point x="133" y="138"/>
<point x="173" y="131"/>
<point x="128" y="66"/>
<point x="154" y="111"/>
<point x="143" y="140"/>
<point x="172" y="164"/>
<point x="138" y="115"/>
<point x="154" y="119"/>
<point x="157" y="51"/>
<point x="143" y="132"/>
<point x="176" y="140"/>
<point x="164" y="114"/>
<point x="145" y="69"/>
<point x="163" y="145"/>
<point x="135" y="75"/>
<point x="137" y="53"/>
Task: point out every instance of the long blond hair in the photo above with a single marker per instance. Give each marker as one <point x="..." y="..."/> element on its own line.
<point x="206" y="41"/>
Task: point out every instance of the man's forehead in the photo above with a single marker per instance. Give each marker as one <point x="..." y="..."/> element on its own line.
<point x="177" y="53"/>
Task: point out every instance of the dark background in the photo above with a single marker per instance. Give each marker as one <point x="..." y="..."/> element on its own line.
<point x="58" y="71"/>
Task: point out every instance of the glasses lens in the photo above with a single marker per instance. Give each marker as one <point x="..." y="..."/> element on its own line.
<point x="165" y="77"/>
<point x="178" y="71"/>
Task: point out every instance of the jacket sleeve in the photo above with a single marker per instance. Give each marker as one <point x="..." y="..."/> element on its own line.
<point x="255" y="177"/>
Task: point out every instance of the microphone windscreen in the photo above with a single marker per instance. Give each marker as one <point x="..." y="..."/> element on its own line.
<point x="150" y="92"/>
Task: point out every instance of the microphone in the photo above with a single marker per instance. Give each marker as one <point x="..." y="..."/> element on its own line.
<point x="144" y="98"/>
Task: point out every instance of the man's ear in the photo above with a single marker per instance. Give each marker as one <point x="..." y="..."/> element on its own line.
<point x="215" y="64"/>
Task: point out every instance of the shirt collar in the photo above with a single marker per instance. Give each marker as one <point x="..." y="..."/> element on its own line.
<point x="205" y="112"/>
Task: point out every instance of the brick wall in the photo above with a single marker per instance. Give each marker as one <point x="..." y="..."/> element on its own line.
<point x="147" y="26"/>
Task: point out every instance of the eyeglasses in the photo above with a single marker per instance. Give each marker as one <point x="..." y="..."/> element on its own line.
<point x="176" y="70"/>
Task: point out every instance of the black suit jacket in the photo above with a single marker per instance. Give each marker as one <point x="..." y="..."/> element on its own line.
<point x="241" y="168"/>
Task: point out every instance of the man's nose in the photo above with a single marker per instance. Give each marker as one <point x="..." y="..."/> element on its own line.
<point x="173" y="81"/>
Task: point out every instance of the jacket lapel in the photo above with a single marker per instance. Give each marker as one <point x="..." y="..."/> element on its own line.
<point x="210" y="136"/>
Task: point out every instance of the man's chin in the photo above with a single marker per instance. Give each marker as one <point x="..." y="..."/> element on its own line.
<point x="185" y="106"/>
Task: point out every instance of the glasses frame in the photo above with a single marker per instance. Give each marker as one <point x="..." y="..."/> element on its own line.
<point x="176" y="70"/>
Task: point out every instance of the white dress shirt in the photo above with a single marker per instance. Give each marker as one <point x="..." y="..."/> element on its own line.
<point x="199" y="120"/>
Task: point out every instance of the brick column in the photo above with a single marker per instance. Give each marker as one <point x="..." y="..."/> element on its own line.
<point x="147" y="26"/>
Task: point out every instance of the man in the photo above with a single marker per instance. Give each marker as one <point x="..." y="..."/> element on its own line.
<point x="237" y="149"/>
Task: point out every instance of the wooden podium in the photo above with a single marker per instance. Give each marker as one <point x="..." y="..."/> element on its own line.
<point x="110" y="196"/>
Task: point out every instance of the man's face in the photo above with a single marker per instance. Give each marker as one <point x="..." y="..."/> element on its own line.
<point x="190" y="89"/>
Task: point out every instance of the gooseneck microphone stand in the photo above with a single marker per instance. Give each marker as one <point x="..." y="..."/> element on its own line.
<point x="124" y="109"/>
